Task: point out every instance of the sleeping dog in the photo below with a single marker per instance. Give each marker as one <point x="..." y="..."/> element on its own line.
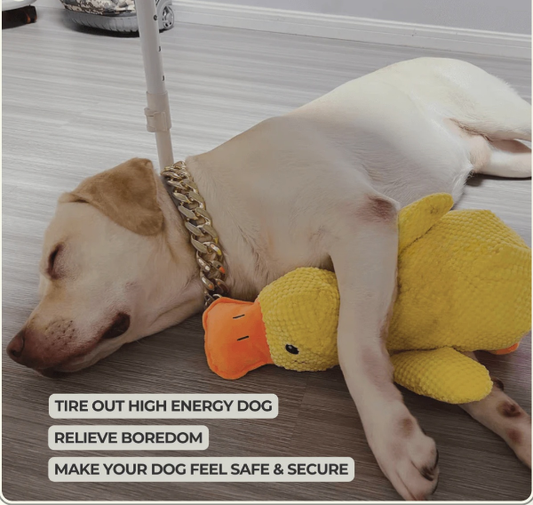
<point x="320" y="186"/>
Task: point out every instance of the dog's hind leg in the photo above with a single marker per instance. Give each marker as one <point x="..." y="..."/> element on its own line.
<point x="484" y="104"/>
<point x="504" y="417"/>
<point x="502" y="158"/>
<point x="508" y="158"/>
<point x="490" y="116"/>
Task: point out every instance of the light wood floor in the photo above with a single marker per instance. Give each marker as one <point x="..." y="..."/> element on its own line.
<point x="73" y="105"/>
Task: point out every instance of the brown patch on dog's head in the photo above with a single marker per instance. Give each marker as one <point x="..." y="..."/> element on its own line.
<point x="127" y="194"/>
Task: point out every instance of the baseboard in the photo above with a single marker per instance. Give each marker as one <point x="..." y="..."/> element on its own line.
<point x="353" y="28"/>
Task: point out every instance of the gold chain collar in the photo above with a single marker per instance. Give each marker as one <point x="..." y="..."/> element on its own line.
<point x="198" y="222"/>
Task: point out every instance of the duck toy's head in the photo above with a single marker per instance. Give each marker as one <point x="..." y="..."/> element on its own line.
<point x="292" y="324"/>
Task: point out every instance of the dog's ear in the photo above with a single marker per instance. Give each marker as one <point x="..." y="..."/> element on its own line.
<point x="127" y="194"/>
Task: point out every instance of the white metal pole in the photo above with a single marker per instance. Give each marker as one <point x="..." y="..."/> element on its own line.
<point x="158" y="111"/>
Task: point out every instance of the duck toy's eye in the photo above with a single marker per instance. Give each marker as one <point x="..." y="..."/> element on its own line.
<point x="290" y="348"/>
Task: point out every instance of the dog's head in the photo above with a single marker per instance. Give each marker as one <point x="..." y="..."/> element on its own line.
<point x="116" y="266"/>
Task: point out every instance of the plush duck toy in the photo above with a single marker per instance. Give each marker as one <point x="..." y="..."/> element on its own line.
<point x="464" y="284"/>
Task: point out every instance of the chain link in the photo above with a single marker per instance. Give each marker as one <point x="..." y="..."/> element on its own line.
<point x="198" y="222"/>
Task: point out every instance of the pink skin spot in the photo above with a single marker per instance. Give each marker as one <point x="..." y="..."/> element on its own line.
<point x="377" y="209"/>
<point x="514" y="436"/>
<point x="407" y="426"/>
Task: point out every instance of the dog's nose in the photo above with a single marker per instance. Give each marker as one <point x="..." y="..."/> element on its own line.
<point x="16" y="346"/>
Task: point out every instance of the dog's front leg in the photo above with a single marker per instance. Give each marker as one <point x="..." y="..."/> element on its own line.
<point x="364" y="248"/>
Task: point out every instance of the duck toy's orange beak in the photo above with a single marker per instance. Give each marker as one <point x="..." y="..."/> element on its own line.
<point x="235" y="338"/>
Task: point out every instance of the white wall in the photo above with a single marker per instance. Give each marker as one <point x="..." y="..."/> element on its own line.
<point x="511" y="16"/>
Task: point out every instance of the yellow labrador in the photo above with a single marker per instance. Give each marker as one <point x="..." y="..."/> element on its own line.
<point x="320" y="186"/>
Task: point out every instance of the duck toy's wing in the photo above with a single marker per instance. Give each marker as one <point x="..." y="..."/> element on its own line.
<point x="443" y="374"/>
<point x="416" y="219"/>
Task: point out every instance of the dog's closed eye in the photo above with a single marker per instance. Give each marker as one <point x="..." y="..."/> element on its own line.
<point x="53" y="270"/>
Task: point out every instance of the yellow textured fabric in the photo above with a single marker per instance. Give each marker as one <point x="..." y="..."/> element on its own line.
<point x="444" y="374"/>
<point x="416" y="219"/>
<point x="290" y="319"/>
<point x="464" y="283"/>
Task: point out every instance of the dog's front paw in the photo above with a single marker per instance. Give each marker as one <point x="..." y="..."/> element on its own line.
<point x="407" y="457"/>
